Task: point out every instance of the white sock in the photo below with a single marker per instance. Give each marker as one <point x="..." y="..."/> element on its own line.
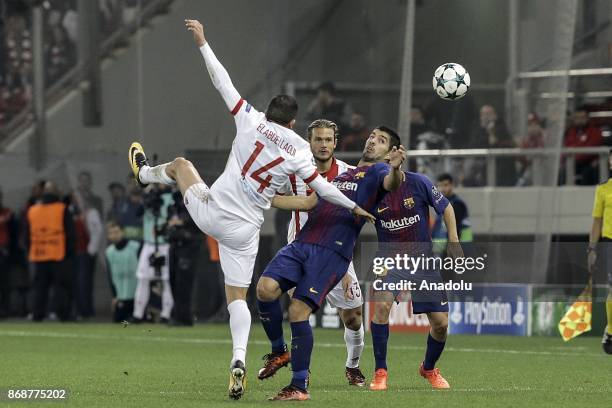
<point x="141" y="298"/>
<point x="354" y="346"/>
<point x="240" y="325"/>
<point x="156" y="174"/>
<point x="167" y="300"/>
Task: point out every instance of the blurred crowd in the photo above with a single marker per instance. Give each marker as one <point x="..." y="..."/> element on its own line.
<point x="145" y="243"/>
<point x="60" y="39"/>
<point x="462" y="125"/>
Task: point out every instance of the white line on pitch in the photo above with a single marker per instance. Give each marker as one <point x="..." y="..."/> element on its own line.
<point x="48" y="334"/>
<point x="505" y="389"/>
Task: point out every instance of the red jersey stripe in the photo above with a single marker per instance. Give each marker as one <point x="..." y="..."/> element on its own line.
<point x="297" y="213"/>
<point x="237" y="107"/>
<point x="314" y="176"/>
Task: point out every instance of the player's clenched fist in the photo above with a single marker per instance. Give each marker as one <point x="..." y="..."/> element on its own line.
<point x="397" y="156"/>
<point x="197" y="30"/>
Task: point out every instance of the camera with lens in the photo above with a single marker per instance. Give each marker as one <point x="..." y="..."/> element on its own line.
<point x="157" y="261"/>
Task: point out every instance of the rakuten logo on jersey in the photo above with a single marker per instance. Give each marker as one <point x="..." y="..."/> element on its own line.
<point x="345" y="185"/>
<point x="395" y="225"/>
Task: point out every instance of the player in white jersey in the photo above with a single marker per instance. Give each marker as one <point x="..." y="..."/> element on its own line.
<point x="346" y="296"/>
<point x="264" y="152"/>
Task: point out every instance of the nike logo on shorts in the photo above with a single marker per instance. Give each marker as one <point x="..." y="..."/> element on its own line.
<point x="313" y="291"/>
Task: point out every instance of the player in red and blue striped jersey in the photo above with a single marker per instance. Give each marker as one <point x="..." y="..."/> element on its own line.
<point x="403" y="228"/>
<point x="318" y="259"/>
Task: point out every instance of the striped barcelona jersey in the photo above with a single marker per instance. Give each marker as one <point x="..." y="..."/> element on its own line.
<point x="403" y="215"/>
<point x="337" y="228"/>
<point x="296" y="186"/>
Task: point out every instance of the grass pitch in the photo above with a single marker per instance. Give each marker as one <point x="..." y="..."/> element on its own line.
<point x="105" y="365"/>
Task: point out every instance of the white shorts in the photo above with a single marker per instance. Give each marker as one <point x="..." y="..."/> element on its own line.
<point x="238" y="239"/>
<point x="145" y="270"/>
<point x="336" y="296"/>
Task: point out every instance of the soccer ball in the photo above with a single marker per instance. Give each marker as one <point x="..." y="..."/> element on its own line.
<point x="451" y="81"/>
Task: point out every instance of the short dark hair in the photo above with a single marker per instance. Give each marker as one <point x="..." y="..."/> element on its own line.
<point x="445" y="177"/>
<point x="394" y="141"/>
<point x="282" y="109"/>
<point x="322" y="124"/>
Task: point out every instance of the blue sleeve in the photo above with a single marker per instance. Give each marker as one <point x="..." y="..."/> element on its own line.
<point x="434" y="197"/>
<point x="380" y="170"/>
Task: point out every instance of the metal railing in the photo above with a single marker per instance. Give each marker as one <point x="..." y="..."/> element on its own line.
<point x="293" y="87"/>
<point x="570" y="72"/>
<point x="491" y="156"/>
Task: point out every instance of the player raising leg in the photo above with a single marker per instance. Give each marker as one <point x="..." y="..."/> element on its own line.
<point x="346" y="296"/>
<point x="264" y="152"/>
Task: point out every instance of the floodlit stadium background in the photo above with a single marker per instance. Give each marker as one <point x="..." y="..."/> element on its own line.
<point x="132" y="72"/>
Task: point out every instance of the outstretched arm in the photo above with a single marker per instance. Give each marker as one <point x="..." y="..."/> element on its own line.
<point x="299" y="203"/>
<point x="218" y="75"/>
<point x="395" y="177"/>
<point x="307" y="203"/>
<point x="330" y="193"/>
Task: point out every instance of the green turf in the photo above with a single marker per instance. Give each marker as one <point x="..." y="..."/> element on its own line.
<point x="107" y="365"/>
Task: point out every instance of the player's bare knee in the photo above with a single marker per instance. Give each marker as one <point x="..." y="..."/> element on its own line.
<point x="352" y="319"/>
<point x="175" y="165"/>
<point x="180" y="162"/>
<point x="440" y="330"/>
<point x="267" y="290"/>
<point x="178" y="166"/>
<point x="298" y="311"/>
<point x="439" y="325"/>
<point x="233" y="293"/>
<point x="381" y="312"/>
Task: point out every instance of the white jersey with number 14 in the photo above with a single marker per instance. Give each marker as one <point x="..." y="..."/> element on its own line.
<point x="263" y="154"/>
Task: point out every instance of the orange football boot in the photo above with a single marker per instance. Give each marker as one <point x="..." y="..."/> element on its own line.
<point x="291" y="393"/>
<point x="379" y="382"/>
<point x="434" y="377"/>
<point x="272" y="363"/>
